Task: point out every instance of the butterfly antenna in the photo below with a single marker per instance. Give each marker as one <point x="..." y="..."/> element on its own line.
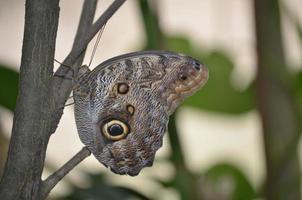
<point x="96" y="44"/>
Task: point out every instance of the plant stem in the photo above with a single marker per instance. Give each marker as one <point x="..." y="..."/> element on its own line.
<point x="276" y="105"/>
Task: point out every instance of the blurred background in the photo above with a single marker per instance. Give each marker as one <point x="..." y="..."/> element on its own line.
<point x="216" y="144"/>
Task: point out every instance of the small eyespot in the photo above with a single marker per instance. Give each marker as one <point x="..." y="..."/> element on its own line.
<point x="130" y="109"/>
<point x="196" y="66"/>
<point x="115" y="130"/>
<point x="122" y="88"/>
<point x="183" y="77"/>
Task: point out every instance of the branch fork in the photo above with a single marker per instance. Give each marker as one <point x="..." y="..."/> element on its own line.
<point x="62" y="87"/>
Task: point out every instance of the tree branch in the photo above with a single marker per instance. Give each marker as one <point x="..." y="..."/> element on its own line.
<point x="32" y="117"/>
<point x="62" y="87"/>
<point x="60" y="84"/>
<point x="52" y="180"/>
<point x="80" y="46"/>
<point x="85" y="23"/>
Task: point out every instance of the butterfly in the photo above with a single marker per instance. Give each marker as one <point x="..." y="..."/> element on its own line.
<point x="122" y="107"/>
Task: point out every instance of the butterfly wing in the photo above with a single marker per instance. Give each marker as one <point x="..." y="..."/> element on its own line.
<point x="122" y="107"/>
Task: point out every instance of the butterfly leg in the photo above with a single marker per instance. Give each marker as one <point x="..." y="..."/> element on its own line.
<point x="68" y="104"/>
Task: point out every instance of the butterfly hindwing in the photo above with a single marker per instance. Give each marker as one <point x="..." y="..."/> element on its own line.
<point x="128" y="99"/>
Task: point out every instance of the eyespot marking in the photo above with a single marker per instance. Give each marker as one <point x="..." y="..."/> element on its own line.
<point x="115" y="130"/>
<point x="122" y="88"/>
<point x="130" y="109"/>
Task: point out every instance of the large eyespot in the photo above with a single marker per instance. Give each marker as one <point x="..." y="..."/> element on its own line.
<point x="115" y="130"/>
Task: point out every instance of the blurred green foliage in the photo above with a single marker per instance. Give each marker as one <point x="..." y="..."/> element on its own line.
<point x="151" y="26"/>
<point x="297" y="87"/>
<point x="218" y="95"/>
<point x="8" y="96"/>
<point x="8" y="87"/>
<point x="101" y="189"/>
<point x="298" y="92"/>
<point x="222" y="180"/>
<point x="231" y="177"/>
<point x="293" y="19"/>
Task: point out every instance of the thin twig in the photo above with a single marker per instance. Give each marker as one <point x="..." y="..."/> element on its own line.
<point x="53" y="179"/>
<point x="86" y="21"/>
<point x="102" y="20"/>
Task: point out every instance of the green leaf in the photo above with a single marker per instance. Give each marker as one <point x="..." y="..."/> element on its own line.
<point x="238" y="185"/>
<point x="298" y="92"/>
<point x="105" y="192"/>
<point x="179" y="44"/>
<point x="8" y="87"/>
<point x="101" y="189"/>
<point x="218" y="94"/>
<point x="151" y="25"/>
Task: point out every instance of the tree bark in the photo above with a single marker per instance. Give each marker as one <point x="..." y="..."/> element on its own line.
<point x="276" y="105"/>
<point x="42" y="96"/>
<point x="31" y="124"/>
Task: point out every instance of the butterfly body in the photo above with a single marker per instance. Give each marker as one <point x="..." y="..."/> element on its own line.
<point x="122" y="107"/>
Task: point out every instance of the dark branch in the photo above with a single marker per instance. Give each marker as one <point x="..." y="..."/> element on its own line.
<point x="79" y="47"/>
<point x="61" y="84"/>
<point x="62" y="87"/>
<point x="280" y="133"/>
<point x="53" y="179"/>
<point x="86" y="21"/>
<point x="32" y="116"/>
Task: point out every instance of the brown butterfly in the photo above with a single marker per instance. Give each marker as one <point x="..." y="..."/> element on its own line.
<point x="122" y="107"/>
